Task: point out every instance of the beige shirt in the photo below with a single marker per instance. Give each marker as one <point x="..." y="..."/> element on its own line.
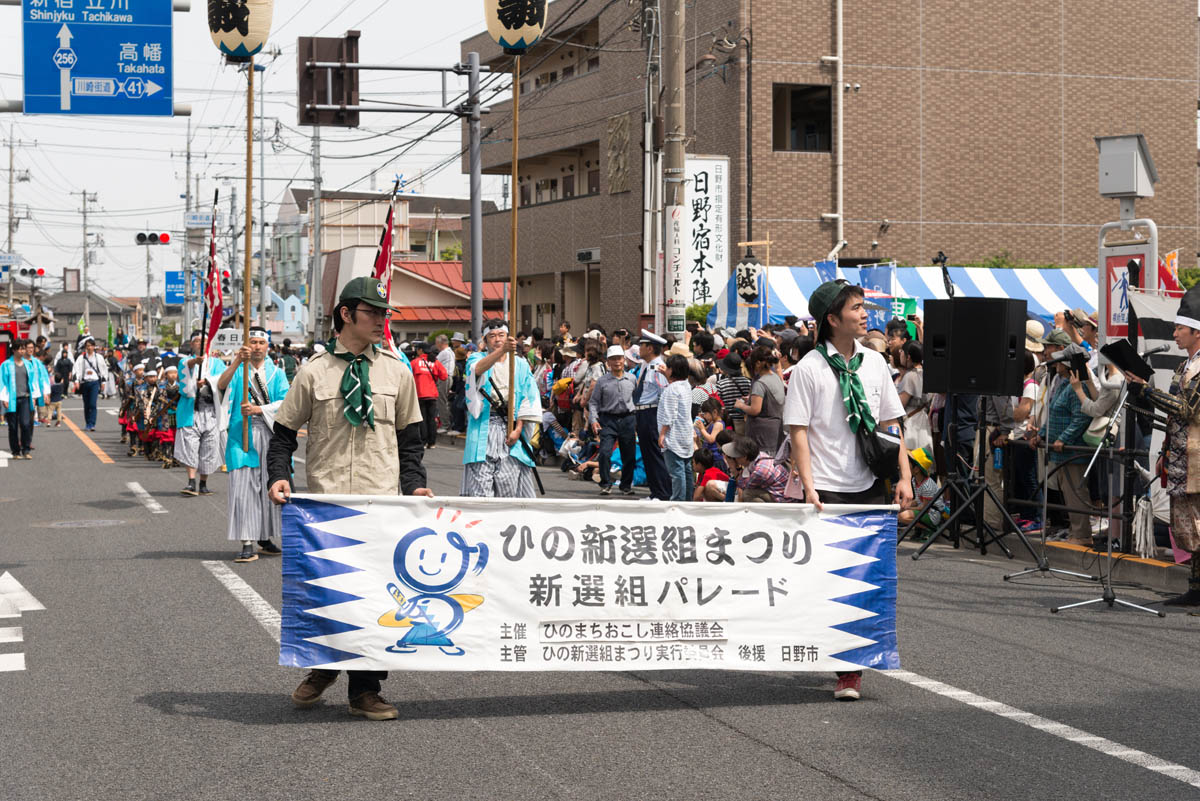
<point x="346" y="460"/>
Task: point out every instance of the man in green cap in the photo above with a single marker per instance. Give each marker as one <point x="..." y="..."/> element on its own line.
<point x="364" y="438"/>
<point x="837" y="388"/>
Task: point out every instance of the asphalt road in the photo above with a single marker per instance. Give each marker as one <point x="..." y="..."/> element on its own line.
<point x="146" y="679"/>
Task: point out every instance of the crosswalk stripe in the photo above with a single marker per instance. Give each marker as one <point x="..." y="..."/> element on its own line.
<point x="11" y="634"/>
<point x="11" y="662"/>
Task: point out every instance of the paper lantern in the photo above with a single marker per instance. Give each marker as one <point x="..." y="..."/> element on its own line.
<point x="239" y="28"/>
<point x="516" y="25"/>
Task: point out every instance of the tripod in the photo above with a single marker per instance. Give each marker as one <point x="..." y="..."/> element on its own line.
<point x="1042" y="559"/>
<point x="1109" y="595"/>
<point x="969" y="491"/>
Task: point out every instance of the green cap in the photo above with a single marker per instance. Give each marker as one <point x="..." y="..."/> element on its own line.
<point x="370" y="291"/>
<point x="1057" y="337"/>
<point x="823" y="297"/>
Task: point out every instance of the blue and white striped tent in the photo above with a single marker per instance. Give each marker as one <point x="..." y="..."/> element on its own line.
<point x="1046" y="291"/>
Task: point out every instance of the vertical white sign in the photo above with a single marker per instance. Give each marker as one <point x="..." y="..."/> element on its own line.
<point x="708" y="209"/>
<point x="675" y="277"/>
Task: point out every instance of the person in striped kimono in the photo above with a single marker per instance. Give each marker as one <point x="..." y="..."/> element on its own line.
<point x="252" y="516"/>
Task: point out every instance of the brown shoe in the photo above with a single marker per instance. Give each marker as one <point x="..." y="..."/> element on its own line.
<point x="309" y="691"/>
<point x="370" y="706"/>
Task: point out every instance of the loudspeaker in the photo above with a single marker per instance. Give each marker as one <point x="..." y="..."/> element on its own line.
<point x="975" y="346"/>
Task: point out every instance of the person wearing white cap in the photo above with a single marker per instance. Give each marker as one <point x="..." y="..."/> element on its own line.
<point x="252" y="516"/>
<point x="610" y="415"/>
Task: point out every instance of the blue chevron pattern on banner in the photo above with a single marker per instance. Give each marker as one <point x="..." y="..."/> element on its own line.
<point x="879" y="544"/>
<point x="299" y="626"/>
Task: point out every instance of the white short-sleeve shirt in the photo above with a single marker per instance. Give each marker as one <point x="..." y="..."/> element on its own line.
<point x="815" y="400"/>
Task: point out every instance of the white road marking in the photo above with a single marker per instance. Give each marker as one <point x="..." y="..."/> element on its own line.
<point x="11" y="634"/>
<point x="258" y="607"/>
<point x="21" y="598"/>
<point x="140" y="492"/>
<point x="11" y="662"/>
<point x="4" y="457"/>
<point x="1070" y="733"/>
<point x="113" y="412"/>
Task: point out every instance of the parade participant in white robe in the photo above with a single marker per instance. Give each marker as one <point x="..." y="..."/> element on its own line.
<point x="198" y="437"/>
<point x="252" y="516"/>
<point x="497" y="464"/>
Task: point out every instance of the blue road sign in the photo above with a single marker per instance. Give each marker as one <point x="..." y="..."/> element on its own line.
<point x="98" y="57"/>
<point x="175" y="284"/>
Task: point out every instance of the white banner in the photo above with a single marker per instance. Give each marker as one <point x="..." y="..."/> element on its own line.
<point x="383" y="583"/>
<point x="708" y="204"/>
<point x="675" y="279"/>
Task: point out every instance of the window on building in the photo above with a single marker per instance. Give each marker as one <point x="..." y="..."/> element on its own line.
<point x="802" y="117"/>
<point x="568" y="184"/>
<point x="525" y="194"/>
<point x="568" y="72"/>
<point x="593" y="63"/>
<point x="524" y="87"/>
<point x="593" y="182"/>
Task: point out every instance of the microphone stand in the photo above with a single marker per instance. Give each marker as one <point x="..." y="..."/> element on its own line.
<point x="1109" y="595"/>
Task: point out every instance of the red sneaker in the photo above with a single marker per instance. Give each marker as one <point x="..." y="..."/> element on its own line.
<point x="849" y="687"/>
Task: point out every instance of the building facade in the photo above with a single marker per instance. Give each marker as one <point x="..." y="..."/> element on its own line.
<point x="966" y="128"/>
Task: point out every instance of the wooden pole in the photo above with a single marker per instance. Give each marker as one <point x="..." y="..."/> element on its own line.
<point x="248" y="235"/>
<point x="512" y="286"/>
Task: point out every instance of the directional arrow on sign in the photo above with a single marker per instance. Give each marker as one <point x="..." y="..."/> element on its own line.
<point x="64" y="73"/>
<point x="152" y="88"/>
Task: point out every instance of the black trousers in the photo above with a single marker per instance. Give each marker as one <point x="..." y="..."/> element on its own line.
<point x="19" y="419"/>
<point x="873" y="494"/>
<point x="653" y="462"/>
<point x="361" y="681"/>
<point x="429" y="422"/>
<point x="621" y="431"/>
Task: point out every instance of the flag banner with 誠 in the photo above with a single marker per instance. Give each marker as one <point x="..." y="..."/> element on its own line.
<point x="383" y="583"/>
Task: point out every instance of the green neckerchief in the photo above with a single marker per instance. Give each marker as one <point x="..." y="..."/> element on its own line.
<point x="858" y="412"/>
<point x="356" y="386"/>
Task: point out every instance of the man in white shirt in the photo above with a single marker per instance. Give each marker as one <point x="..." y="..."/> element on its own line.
<point x="445" y="357"/>
<point x="89" y="374"/>
<point x="835" y="386"/>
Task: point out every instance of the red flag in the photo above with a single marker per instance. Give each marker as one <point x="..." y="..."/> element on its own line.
<point x="212" y="289"/>
<point x="383" y="271"/>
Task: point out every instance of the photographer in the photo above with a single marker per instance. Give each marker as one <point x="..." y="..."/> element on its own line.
<point x="1065" y="425"/>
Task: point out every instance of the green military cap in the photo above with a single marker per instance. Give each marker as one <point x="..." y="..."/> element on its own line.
<point x="370" y="291"/>
<point x="823" y="297"/>
<point x="1057" y="337"/>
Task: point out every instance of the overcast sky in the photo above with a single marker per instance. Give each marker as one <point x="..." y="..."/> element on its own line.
<point x="136" y="165"/>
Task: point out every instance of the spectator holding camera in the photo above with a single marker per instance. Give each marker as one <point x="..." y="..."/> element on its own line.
<point x="1065" y="425"/>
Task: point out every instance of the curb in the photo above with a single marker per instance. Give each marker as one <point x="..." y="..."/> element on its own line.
<point x="1153" y="574"/>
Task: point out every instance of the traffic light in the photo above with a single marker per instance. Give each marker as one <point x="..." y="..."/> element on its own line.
<point x="152" y="238"/>
<point x="226" y="291"/>
<point x="31" y="272"/>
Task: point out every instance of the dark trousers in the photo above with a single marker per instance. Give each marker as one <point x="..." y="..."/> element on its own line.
<point x="874" y="494"/>
<point x="429" y="421"/>
<point x="1025" y="478"/>
<point x="657" y="477"/>
<point x="90" y="390"/>
<point x="619" y="430"/>
<point x="20" y="426"/>
<point x="361" y="681"/>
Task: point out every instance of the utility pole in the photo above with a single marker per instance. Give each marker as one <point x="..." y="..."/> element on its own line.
<point x="476" y="159"/>
<point x="314" y="210"/>
<point x="149" y="289"/>
<point x="12" y="146"/>
<point x="186" y="260"/>
<point x="88" y="197"/>
<point x="674" y="115"/>
<point x="262" y="206"/>
<point x="233" y="235"/>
